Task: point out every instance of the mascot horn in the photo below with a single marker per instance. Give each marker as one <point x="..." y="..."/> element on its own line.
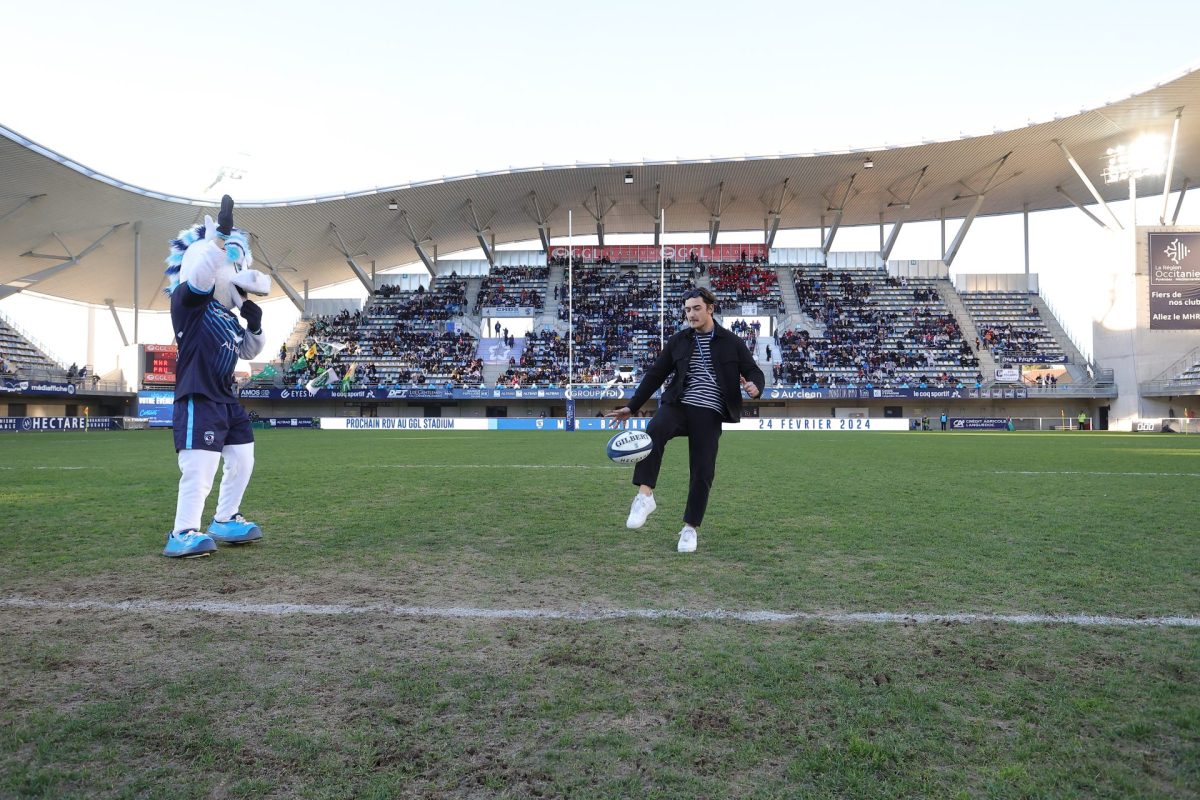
<point x="210" y="278"/>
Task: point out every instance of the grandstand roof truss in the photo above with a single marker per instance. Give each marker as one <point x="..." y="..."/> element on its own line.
<point x="93" y="227"/>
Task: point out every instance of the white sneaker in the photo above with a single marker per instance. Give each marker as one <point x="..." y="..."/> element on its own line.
<point x="687" y="540"/>
<point x="643" y="506"/>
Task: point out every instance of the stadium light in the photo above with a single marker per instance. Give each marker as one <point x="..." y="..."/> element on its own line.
<point x="393" y="205"/>
<point x="1146" y="156"/>
<point x="628" y="178"/>
<point x="868" y="163"/>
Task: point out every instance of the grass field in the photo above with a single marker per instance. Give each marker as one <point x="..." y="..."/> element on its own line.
<point x="138" y="701"/>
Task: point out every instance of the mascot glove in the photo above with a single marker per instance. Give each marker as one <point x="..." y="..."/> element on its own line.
<point x="251" y="281"/>
<point x="252" y="313"/>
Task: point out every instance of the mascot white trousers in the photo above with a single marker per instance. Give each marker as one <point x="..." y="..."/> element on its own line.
<point x="199" y="468"/>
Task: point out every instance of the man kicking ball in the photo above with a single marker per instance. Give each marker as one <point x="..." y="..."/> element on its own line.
<point x="705" y="368"/>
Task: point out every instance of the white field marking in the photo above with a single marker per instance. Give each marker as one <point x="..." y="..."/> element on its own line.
<point x="49" y="467"/>
<point x="1119" y="474"/>
<point x="443" y="437"/>
<point x="585" y="614"/>
<point x="490" y="466"/>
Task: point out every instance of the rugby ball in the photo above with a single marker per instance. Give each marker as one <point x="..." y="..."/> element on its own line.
<point x="629" y="447"/>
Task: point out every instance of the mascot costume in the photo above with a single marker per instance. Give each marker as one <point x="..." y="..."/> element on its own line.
<point x="210" y="277"/>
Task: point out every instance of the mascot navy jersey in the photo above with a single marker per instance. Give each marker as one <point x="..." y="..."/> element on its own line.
<point x="209" y="338"/>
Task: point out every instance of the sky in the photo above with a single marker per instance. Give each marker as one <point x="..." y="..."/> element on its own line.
<point x="324" y="98"/>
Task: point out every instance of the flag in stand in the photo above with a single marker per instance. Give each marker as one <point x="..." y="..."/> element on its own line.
<point x="348" y="378"/>
<point x="268" y="371"/>
<point x="324" y="379"/>
<point x="298" y="365"/>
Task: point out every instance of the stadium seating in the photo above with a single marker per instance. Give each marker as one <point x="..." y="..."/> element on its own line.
<point x="513" y="287"/>
<point x="1010" y="326"/>
<point x="19" y="357"/>
<point x="876" y="330"/>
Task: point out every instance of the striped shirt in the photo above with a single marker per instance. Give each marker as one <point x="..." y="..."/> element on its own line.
<point x="702" y="388"/>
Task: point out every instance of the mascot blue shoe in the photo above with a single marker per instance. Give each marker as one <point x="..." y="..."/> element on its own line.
<point x="236" y="530"/>
<point x="188" y="544"/>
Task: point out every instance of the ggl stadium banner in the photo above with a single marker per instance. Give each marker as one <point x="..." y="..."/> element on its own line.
<point x="1174" y="281"/>
<point x="649" y="254"/>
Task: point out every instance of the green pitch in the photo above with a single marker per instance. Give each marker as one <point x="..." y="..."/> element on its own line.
<point x="105" y="703"/>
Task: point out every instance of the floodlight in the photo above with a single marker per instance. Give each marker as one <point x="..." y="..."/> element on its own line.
<point x="393" y="205"/>
<point x="1146" y="156"/>
<point x="868" y="163"/>
<point x="628" y="178"/>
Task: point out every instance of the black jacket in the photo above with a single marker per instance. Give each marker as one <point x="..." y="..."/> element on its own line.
<point x="731" y="360"/>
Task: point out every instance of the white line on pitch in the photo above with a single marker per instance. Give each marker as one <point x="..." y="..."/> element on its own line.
<point x="1118" y="474"/>
<point x="491" y="466"/>
<point x="50" y="468"/>
<point x="586" y="614"/>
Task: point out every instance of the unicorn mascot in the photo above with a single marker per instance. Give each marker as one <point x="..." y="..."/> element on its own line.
<point x="210" y="277"/>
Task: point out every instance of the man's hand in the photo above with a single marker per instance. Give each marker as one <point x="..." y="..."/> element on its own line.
<point x="619" y="414"/>
<point x="252" y="313"/>
<point x="751" y="389"/>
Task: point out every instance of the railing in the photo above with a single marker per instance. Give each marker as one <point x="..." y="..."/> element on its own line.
<point x="41" y="347"/>
<point x="1169" y="375"/>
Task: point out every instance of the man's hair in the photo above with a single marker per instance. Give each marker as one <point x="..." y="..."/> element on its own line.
<point x="704" y="294"/>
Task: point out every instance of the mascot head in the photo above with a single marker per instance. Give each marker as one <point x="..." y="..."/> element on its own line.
<point x="216" y="255"/>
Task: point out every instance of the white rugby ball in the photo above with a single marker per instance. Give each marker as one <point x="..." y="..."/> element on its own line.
<point x="629" y="447"/>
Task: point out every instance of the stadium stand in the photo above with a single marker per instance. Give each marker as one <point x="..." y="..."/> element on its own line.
<point x="876" y="330"/>
<point x="400" y="338"/>
<point x="21" y="357"/>
<point x="513" y="287"/>
<point x="1011" y="327"/>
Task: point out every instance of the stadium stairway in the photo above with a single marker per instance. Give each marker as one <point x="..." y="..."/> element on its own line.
<point x="557" y="277"/>
<point x="1057" y="331"/>
<point x="949" y="295"/>
<point x="472" y="290"/>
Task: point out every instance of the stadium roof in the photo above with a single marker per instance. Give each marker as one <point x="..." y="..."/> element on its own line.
<point x="70" y="232"/>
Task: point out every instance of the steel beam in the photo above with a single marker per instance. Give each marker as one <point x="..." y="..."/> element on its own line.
<point x="837" y="217"/>
<point x="543" y="223"/>
<point x="21" y="205"/>
<point x="891" y="240"/>
<point x="359" y="272"/>
<point x="714" y="222"/>
<point x="1079" y="205"/>
<point x="489" y="250"/>
<point x="1088" y="183"/>
<point x="418" y="245"/>
<point x="980" y="196"/>
<point x="1179" y="202"/>
<point x="260" y="251"/>
<point x="21" y="284"/>
<point x="120" y="328"/>
<point x="1162" y="218"/>
<point x="137" y="274"/>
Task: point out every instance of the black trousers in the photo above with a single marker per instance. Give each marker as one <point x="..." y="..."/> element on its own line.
<point x="703" y="429"/>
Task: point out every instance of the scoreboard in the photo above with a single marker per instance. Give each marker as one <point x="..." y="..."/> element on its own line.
<point x="159" y="364"/>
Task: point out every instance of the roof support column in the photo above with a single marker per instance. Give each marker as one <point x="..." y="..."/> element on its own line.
<point x="1088" y="183"/>
<point x="714" y="222"/>
<point x="489" y="250"/>
<point x="117" y="319"/>
<point x="1179" y="203"/>
<point x="1025" y="215"/>
<point x="137" y="273"/>
<point x="891" y="240"/>
<point x="1162" y="218"/>
<point x="21" y="284"/>
<point x="598" y="213"/>
<point x="827" y="244"/>
<point x="418" y="245"/>
<point x="948" y="258"/>
<point x="261" y="255"/>
<point x="773" y="216"/>
<point x="1079" y="205"/>
<point x="358" y="271"/>
<point x="543" y="223"/>
<point x="21" y="205"/>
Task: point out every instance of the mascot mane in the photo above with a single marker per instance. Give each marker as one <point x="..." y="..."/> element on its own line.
<point x="237" y="244"/>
